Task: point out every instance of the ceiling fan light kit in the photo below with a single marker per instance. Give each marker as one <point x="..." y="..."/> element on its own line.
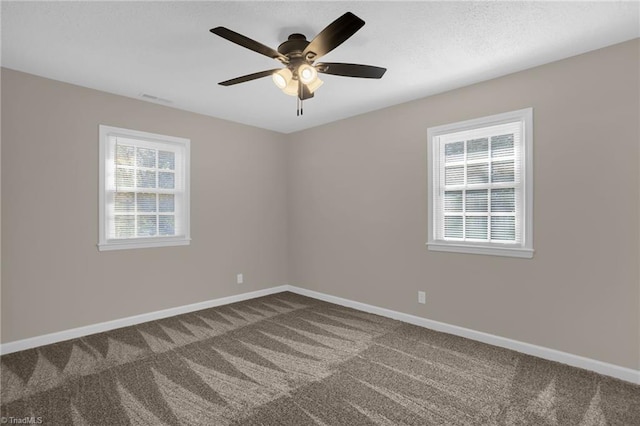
<point x="307" y="74"/>
<point x="291" y="89"/>
<point x="313" y="86"/>
<point x="299" y="77"/>
<point x="282" y="78"/>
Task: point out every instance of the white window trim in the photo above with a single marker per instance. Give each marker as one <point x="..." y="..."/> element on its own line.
<point x="105" y="243"/>
<point x="523" y="250"/>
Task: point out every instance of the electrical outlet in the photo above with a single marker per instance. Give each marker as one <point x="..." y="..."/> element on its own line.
<point x="422" y="297"/>
<point x="239" y="279"/>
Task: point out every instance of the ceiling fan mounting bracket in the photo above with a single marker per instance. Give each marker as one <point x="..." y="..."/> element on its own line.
<point x="294" y="46"/>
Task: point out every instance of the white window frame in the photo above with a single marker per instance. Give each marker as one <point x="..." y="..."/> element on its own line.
<point x="106" y="167"/>
<point x="524" y="249"/>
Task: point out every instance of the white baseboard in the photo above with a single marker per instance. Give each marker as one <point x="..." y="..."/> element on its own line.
<point x="46" y="339"/>
<point x="607" y="369"/>
<point x="612" y="370"/>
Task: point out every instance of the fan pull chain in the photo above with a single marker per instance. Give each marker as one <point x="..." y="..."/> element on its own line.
<point x="300" y="110"/>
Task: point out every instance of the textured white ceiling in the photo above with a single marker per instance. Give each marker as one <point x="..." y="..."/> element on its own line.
<point x="165" y="49"/>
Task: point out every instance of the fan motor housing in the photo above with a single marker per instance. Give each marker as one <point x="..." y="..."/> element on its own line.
<point x="294" y="45"/>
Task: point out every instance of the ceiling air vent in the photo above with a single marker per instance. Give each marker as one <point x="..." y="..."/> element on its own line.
<point x="155" y="98"/>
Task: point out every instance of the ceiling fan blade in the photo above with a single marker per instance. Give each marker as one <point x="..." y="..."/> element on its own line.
<point x="248" y="43"/>
<point x="351" y="70"/>
<point x="248" y="77"/>
<point x="333" y="35"/>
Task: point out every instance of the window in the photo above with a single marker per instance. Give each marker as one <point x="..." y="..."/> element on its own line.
<point x="144" y="190"/>
<point x="480" y="185"/>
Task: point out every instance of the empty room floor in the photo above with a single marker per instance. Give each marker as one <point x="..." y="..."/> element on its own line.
<point x="287" y="359"/>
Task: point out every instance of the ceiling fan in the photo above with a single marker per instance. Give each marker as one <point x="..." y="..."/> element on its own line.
<point x="299" y="76"/>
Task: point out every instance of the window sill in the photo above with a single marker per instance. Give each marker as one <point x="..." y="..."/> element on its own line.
<point x="136" y="244"/>
<point x="525" y="253"/>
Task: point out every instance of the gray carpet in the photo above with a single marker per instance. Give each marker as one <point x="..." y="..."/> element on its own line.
<point x="290" y="360"/>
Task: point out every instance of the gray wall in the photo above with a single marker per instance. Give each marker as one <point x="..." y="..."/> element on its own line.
<point x="54" y="278"/>
<point x="339" y="209"/>
<point x="358" y="207"/>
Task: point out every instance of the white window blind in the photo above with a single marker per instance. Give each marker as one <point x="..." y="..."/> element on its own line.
<point x="479" y="187"/>
<point x="145" y="189"/>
